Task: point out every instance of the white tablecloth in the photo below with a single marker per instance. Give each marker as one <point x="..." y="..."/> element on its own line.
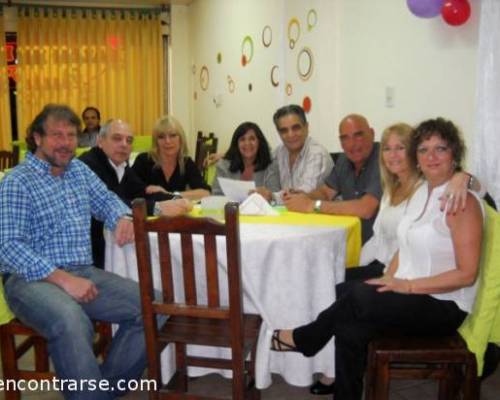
<point x="289" y="275"/>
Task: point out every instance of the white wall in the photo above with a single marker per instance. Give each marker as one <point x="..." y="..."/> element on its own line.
<point x="431" y="65"/>
<point x="220" y="26"/>
<point x="360" y="47"/>
<point x="179" y="68"/>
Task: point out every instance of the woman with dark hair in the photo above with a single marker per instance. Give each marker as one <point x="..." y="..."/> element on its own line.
<point x="247" y="159"/>
<point x="430" y="284"/>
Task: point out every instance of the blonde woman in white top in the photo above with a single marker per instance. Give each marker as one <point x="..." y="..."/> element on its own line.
<point x="429" y="286"/>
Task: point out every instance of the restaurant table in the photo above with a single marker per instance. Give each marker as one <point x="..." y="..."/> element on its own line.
<point x="289" y="270"/>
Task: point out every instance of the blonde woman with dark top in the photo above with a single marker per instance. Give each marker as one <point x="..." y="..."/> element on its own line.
<point x="167" y="167"/>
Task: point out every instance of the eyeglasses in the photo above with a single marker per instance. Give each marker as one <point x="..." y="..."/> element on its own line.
<point x="437" y="150"/>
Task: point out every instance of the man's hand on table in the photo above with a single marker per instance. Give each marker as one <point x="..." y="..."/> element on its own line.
<point x="298" y="202"/>
<point x="124" y="231"/>
<point x="81" y="289"/>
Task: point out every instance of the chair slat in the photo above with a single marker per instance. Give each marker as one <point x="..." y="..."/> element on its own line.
<point x="188" y="269"/>
<point x="166" y="267"/>
<point x="211" y="270"/>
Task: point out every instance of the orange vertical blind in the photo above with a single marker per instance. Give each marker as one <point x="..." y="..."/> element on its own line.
<point x="110" y="59"/>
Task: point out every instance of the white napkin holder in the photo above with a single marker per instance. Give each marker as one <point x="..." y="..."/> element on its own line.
<point x="255" y="204"/>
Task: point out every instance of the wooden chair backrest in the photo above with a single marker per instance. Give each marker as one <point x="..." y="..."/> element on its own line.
<point x="190" y="306"/>
<point x="6" y="159"/>
<point x="205" y="145"/>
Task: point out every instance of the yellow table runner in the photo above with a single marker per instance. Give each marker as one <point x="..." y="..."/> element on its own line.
<point x="352" y="225"/>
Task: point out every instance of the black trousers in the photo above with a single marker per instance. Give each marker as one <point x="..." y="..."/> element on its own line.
<point x="361" y="314"/>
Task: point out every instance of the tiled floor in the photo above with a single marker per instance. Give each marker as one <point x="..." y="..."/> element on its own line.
<point x="218" y="386"/>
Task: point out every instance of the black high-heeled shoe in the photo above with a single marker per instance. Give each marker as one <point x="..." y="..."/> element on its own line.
<point x="279" y="345"/>
<point x="319" y="388"/>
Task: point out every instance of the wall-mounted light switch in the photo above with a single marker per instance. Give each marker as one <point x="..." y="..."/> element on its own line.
<point x="389" y="96"/>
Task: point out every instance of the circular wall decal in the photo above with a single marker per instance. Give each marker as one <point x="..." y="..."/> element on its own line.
<point x="267" y="36"/>
<point x="246" y="50"/>
<point x="288" y="89"/>
<point x="293" y="32"/>
<point x="306" y="104"/>
<point x="204" y="79"/>
<point x="274" y="76"/>
<point x="312" y="19"/>
<point x="305" y="63"/>
<point x="230" y="84"/>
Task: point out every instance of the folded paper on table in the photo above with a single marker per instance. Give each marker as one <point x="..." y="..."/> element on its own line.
<point x="255" y="204"/>
<point x="236" y="190"/>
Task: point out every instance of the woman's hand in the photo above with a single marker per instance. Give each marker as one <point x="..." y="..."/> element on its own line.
<point x="390" y="284"/>
<point x="267" y="194"/>
<point x="211" y="159"/>
<point x="455" y="194"/>
<point x="173" y="208"/>
<point x="155" y="189"/>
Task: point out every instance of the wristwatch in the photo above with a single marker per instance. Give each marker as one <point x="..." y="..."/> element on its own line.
<point x="157" y="208"/>
<point x="317" y="206"/>
<point x="176" y="195"/>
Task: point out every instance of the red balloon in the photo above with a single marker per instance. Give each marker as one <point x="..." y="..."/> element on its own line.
<point x="455" y="12"/>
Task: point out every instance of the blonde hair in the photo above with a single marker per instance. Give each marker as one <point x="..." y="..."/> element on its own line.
<point x="390" y="181"/>
<point x="166" y="124"/>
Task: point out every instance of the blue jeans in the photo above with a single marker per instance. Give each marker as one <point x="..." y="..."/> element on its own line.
<point x="66" y="324"/>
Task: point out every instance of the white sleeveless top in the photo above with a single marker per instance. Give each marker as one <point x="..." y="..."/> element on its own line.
<point x="426" y="247"/>
<point x="384" y="242"/>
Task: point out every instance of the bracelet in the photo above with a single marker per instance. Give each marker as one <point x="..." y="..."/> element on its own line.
<point x="471" y="182"/>
<point x="317" y="206"/>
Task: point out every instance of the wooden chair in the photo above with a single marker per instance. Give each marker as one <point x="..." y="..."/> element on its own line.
<point x="6" y="159"/>
<point x="12" y="352"/>
<point x="205" y="145"/>
<point x="192" y="320"/>
<point x="446" y="359"/>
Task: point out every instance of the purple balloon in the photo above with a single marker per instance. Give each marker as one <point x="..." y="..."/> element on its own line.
<point x="425" y="8"/>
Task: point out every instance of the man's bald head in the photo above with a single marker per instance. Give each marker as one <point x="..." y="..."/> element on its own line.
<point x="356" y="137"/>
